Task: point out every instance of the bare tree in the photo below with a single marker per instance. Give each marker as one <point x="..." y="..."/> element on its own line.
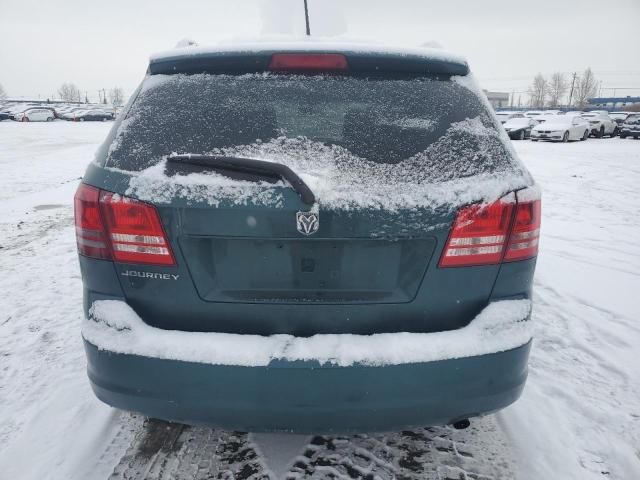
<point x="538" y="91"/>
<point x="69" y="93"/>
<point x="587" y="88"/>
<point x="116" y="96"/>
<point x="3" y="94"/>
<point x="557" y="89"/>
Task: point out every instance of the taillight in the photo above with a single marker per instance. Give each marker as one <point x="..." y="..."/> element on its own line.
<point x="506" y="230"/>
<point x="124" y="229"/>
<point x="479" y="233"/>
<point x="90" y="232"/>
<point x="525" y="233"/>
<point x="135" y="231"/>
<point x="300" y="62"/>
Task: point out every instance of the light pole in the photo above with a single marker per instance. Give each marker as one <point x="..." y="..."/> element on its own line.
<point x="306" y="18"/>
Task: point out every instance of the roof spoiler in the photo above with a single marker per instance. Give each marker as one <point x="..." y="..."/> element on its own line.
<point x="189" y="60"/>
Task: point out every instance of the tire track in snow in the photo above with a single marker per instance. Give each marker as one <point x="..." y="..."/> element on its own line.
<point x="21" y="234"/>
<point x="163" y="451"/>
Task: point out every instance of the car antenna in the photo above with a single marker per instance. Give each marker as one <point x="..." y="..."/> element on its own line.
<point x="306" y="17"/>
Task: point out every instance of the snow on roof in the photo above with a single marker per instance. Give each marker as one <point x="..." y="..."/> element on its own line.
<point x="186" y="42"/>
<point x="309" y="44"/>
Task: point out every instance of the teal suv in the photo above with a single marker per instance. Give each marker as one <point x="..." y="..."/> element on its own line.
<point x="307" y="237"/>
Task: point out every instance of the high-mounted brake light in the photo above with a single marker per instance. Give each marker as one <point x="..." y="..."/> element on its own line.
<point x="506" y="230"/>
<point x="305" y="62"/>
<point x="124" y="229"/>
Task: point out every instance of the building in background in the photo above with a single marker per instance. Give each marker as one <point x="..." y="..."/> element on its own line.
<point x="498" y="99"/>
<point x="613" y="102"/>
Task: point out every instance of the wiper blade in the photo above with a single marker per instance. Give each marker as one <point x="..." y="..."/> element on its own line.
<point x="227" y="165"/>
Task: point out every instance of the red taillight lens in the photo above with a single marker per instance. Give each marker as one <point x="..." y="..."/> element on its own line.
<point x="301" y="62"/>
<point x="525" y="233"/>
<point x="90" y="232"/>
<point x="506" y="230"/>
<point x="479" y="234"/>
<point x="110" y="226"/>
<point x="135" y="231"/>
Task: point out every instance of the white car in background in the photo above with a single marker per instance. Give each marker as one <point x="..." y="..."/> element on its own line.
<point x="561" y="128"/>
<point x="506" y="116"/>
<point x="35" y="115"/>
<point x="534" y="113"/>
<point x="62" y="110"/>
<point x="601" y="124"/>
<point x="68" y="113"/>
<point x="619" y="115"/>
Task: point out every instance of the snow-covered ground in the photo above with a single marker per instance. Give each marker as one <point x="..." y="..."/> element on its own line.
<point x="579" y="417"/>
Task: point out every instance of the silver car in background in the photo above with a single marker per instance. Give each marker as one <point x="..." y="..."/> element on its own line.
<point x="35" y="115"/>
<point x="601" y="124"/>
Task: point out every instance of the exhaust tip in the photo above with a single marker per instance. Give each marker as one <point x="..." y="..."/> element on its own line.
<point x="461" y="424"/>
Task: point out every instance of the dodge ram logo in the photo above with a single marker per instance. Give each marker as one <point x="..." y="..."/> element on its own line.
<point x="307" y="222"/>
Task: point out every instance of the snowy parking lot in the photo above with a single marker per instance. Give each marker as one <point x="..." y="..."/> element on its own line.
<point x="579" y="417"/>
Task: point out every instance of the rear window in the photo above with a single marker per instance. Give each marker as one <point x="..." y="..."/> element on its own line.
<point x="438" y="128"/>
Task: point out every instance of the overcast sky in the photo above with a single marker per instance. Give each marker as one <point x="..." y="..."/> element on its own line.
<point x="103" y="44"/>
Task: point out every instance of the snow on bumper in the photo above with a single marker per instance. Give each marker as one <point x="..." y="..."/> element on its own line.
<point x="115" y="327"/>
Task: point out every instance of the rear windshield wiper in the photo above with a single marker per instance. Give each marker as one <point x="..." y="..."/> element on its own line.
<point x="247" y="169"/>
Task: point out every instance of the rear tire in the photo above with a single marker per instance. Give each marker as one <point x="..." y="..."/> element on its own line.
<point x="585" y="136"/>
<point x="622" y="135"/>
<point x="565" y="137"/>
<point x="49" y="119"/>
<point x="25" y="119"/>
<point x="614" y="133"/>
<point x="600" y="133"/>
<point x="534" y="139"/>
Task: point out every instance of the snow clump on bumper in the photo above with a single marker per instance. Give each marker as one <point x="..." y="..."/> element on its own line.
<point x="114" y="326"/>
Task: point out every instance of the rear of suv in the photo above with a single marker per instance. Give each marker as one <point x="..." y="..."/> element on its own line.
<point x="631" y="126"/>
<point x="309" y="238"/>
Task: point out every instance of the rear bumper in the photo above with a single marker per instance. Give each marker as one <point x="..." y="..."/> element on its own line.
<point x="304" y="398"/>
<point x="548" y="137"/>
<point x="629" y="132"/>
